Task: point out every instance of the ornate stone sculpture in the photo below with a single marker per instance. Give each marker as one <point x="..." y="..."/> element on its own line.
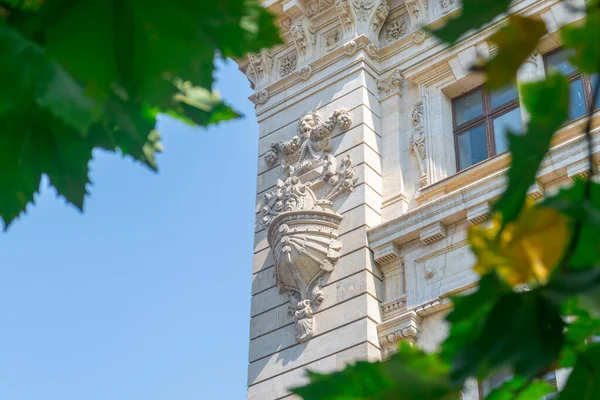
<point x="258" y="68"/>
<point x="318" y="6"/>
<point x="395" y="30"/>
<point x="417" y="10"/>
<point x="390" y="85"/>
<point x="302" y="227"/>
<point x="310" y="145"/>
<point x="417" y="141"/>
<point x="288" y="63"/>
<point x="304" y="37"/>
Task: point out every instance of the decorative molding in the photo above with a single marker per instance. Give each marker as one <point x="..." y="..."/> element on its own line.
<point x="304" y="37"/>
<point x="302" y="227"/>
<point x="578" y="170"/>
<point x="433" y="233"/>
<point x="305" y="72"/>
<point x="262" y="96"/>
<point x="479" y="213"/>
<point x="536" y="191"/>
<point x="288" y="63"/>
<point x="318" y="6"/>
<point x="396" y="30"/>
<point x="351" y="47"/>
<point x="373" y="50"/>
<point x="332" y="39"/>
<point x="258" y="68"/>
<point x="386" y="254"/>
<point x="417" y="10"/>
<point x="362" y="17"/>
<point x="390" y="85"/>
<point x="405" y="327"/>
<point x="446" y="5"/>
<point x="285" y="24"/>
<point x="419" y="36"/>
<point x="417" y="141"/>
<point x="393" y="305"/>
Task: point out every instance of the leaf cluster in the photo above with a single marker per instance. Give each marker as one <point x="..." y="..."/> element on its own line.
<point x="79" y="75"/>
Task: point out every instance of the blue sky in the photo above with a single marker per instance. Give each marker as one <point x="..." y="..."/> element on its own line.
<point x="146" y="295"/>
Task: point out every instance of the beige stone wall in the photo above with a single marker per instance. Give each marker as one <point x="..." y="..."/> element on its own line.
<point x="403" y="233"/>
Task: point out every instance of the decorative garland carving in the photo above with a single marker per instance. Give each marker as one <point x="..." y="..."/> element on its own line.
<point x="302" y="228"/>
<point x="417" y="141"/>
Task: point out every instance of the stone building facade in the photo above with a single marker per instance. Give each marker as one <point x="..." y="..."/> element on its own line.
<point x="377" y="149"/>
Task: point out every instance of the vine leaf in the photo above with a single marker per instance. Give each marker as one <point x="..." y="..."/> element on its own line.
<point x="547" y="103"/>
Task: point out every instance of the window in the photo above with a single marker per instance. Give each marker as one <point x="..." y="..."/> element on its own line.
<point x="482" y="121"/>
<point x="580" y="86"/>
<point x="499" y="378"/>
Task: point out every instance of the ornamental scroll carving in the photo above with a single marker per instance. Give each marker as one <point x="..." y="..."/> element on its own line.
<point x="362" y="17"/>
<point x="417" y="141"/>
<point x="302" y="228"/>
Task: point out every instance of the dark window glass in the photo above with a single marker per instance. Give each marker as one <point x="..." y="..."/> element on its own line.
<point x="468" y="107"/>
<point x="580" y="86"/>
<point x="559" y="62"/>
<point x="511" y="121"/>
<point x="482" y="121"/>
<point x="472" y="146"/>
<point x="504" y="95"/>
<point x="576" y="99"/>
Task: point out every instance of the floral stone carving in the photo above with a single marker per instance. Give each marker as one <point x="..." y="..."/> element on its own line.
<point x="302" y="227"/>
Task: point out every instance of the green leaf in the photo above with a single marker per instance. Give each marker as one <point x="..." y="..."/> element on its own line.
<point x="547" y="103"/>
<point x="407" y="375"/>
<point x="585" y="39"/>
<point x="469" y="313"/>
<point x="584" y="383"/>
<point x="475" y="14"/>
<point x="523" y="330"/>
<point x="516" y="41"/>
<point x="519" y="388"/>
<point x="572" y="202"/>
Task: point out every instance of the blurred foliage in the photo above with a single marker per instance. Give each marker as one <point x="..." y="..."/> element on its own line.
<point x="81" y="75"/>
<point x="537" y="304"/>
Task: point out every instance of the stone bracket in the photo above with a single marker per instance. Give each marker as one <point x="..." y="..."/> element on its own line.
<point x="433" y="233"/>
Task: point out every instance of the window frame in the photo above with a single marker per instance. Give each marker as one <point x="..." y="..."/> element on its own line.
<point x="586" y="83"/>
<point x="487" y="118"/>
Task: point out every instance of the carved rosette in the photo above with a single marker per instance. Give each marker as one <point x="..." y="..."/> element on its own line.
<point x="302" y="227"/>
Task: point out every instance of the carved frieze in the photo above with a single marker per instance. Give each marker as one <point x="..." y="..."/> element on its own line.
<point x="390" y="85"/>
<point x="302" y="227"/>
<point x="417" y="141"/>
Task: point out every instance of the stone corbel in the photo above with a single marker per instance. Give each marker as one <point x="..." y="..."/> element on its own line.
<point x="417" y="10"/>
<point x="433" y="233"/>
<point x="479" y="213"/>
<point x="390" y="86"/>
<point x="362" y="17"/>
<point x="391" y="264"/>
<point x="304" y="38"/>
<point x="405" y="328"/>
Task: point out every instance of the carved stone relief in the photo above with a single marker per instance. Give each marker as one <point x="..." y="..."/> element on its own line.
<point x="304" y="37"/>
<point x="318" y="6"/>
<point x="445" y="5"/>
<point x="362" y="16"/>
<point x="390" y="85"/>
<point x="331" y="39"/>
<point x="417" y="141"/>
<point x="396" y="30"/>
<point x="417" y="10"/>
<point x="302" y="227"/>
<point x="258" y="68"/>
<point x="288" y="63"/>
